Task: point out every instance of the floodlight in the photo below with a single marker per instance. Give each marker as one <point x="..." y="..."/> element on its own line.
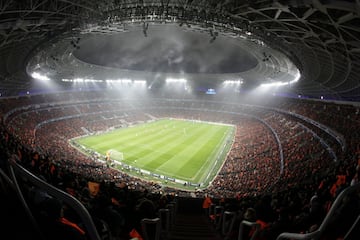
<point x="176" y="80"/>
<point x="139" y="81"/>
<point x="39" y="76"/>
<point x="233" y="82"/>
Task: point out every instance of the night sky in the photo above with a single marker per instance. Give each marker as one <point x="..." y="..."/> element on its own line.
<point x="167" y="49"/>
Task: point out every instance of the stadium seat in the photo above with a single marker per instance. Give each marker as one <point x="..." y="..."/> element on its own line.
<point x="244" y="224"/>
<point x="227" y="224"/>
<point x="212" y="212"/>
<point x="151" y="228"/>
<point x="171" y="208"/>
<point x="164" y="215"/>
<point x="219" y="211"/>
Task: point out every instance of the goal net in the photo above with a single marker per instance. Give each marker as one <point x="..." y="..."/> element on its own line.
<point x="114" y="155"/>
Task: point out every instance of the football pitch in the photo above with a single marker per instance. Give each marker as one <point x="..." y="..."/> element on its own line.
<point x="181" y="151"/>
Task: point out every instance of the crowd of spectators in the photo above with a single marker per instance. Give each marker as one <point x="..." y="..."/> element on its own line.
<point x="250" y="162"/>
<point x="295" y="190"/>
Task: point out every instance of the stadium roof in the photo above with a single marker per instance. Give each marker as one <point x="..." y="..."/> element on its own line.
<point x="318" y="38"/>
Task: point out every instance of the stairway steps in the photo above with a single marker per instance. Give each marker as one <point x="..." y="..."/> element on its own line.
<point x="190" y="226"/>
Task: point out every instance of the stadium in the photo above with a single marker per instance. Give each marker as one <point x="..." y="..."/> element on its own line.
<point x="180" y="119"/>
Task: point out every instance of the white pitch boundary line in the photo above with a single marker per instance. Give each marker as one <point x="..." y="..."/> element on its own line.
<point x="144" y="146"/>
<point x="218" y="152"/>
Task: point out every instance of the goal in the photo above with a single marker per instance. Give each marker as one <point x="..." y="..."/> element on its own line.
<point x="115" y="155"/>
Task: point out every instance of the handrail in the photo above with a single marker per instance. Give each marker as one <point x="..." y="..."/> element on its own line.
<point x="353" y="227"/>
<point x="67" y="198"/>
<point x="16" y="187"/>
<point x="318" y="233"/>
<point x="6" y="177"/>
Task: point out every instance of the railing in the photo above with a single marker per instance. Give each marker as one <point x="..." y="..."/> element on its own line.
<point x="317" y="234"/>
<point x="17" y="171"/>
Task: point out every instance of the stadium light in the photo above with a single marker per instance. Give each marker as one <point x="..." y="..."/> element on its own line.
<point x="125" y="80"/>
<point x="232" y="82"/>
<point x="80" y="80"/>
<point x="280" y="83"/>
<point x="39" y="76"/>
<point x="176" y="80"/>
<point x="139" y="82"/>
<point x="273" y="84"/>
<point x="120" y="80"/>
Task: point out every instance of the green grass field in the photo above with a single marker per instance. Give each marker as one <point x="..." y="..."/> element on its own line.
<point x="187" y="150"/>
